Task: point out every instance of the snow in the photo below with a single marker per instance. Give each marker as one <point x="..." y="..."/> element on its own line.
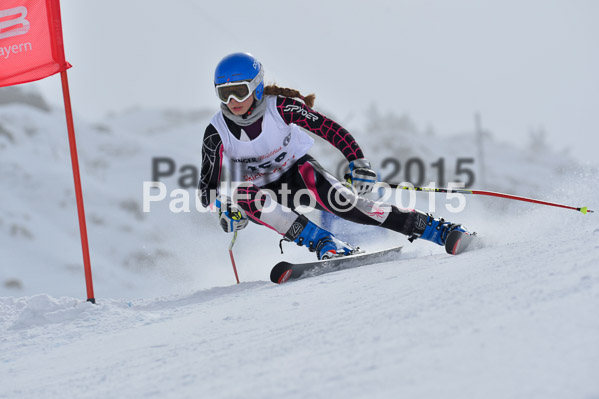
<point x="517" y="318"/>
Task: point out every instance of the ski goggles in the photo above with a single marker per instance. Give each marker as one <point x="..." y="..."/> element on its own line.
<point x="240" y="91"/>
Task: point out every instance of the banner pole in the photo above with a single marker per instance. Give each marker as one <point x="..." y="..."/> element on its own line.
<point x="78" y="191"/>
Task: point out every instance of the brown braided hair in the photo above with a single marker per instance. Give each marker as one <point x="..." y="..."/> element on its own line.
<point x="274" y="90"/>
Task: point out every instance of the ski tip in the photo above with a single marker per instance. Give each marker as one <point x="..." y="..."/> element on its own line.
<point x="456" y="247"/>
<point x="280" y="273"/>
<point x="458" y="242"/>
<point x="285" y="276"/>
<point x="586" y="210"/>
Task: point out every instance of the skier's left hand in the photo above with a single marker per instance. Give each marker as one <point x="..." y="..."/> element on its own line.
<point x="361" y="176"/>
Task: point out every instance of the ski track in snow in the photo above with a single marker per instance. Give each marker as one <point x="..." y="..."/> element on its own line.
<point x="516" y="320"/>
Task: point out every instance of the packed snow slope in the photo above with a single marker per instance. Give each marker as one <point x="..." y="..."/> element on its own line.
<point x="517" y="318"/>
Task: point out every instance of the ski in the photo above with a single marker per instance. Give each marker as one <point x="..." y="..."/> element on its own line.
<point x="458" y="242"/>
<point x="285" y="271"/>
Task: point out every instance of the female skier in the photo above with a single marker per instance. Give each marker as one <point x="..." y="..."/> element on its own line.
<point x="260" y="132"/>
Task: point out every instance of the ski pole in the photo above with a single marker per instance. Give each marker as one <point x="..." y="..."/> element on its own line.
<point x="231" y="255"/>
<point x="583" y="209"/>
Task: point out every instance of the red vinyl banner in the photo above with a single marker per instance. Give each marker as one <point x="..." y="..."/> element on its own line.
<point x="31" y="46"/>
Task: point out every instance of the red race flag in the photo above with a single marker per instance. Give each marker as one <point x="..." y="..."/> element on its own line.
<point x="31" y="46"/>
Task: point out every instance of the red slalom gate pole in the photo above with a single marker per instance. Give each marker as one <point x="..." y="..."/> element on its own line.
<point x="78" y="192"/>
<point x="583" y="209"/>
<point x="233" y="258"/>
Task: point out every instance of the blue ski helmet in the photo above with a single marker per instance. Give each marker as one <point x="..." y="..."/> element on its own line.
<point x="238" y="67"/>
